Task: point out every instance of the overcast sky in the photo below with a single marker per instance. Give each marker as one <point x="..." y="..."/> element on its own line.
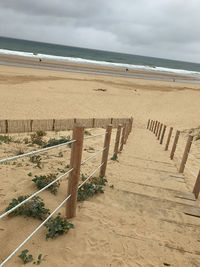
<point x="159" y="28"/>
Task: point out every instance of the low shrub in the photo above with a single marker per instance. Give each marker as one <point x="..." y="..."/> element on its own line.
<point x="37" y="138"/>
<point x="91" y="188"/>
<point x="24" y="257"/>
<point x="43" y="180"/>
<point x="5" y="139"/>
<point x="37" y="160"/>
<point x="57" y="226"/>
<point x="32" y="208"/>
<point x="54" y="142"/>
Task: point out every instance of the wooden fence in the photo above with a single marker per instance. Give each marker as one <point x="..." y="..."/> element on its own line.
<point x="74" y="172"/>
<point x="159" y="129"/>
<point x="22" y="126"/>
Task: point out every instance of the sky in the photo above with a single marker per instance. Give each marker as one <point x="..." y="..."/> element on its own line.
<point x="158" y="28"/>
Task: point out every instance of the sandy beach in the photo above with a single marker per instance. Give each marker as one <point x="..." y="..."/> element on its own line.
<point x="137" y="222"/>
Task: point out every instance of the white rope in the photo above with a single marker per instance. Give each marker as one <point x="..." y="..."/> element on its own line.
<point x="191" y="155"/>
<point x="34" y="231"/>
<point x="36" y="193"/>
<point x="191" y="172"/>
<point x="37" y="151"/>
<point x="91" y="175"/>
<point x="84" y="161"/>
<point x="88" y="137"/>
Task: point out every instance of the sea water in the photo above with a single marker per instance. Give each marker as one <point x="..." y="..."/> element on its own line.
<point x="10" y="46"/>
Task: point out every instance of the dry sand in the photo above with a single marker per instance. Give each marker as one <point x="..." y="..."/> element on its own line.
<point x="139" y="222"/>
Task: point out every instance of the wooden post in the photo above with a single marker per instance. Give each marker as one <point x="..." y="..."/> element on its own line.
<point x="126" y="133"/>
<point x="131" y="124"/>
<point x="116" y="149"/>
<point x="31" y="125"/>
<point x="148" y="124"/>
<point x="185" y="154"/>
<point x="157" y="129"/>
<point x="154" y="130"/>
<point x="6" y="124"/>
<point x="93" y="122"/>
<point x="174" y="144"/>
<point x="152" y="127"/>
<point x="196" y="188"/>
<point x="53" y="126"/>
<point x="106" y="151"/>
<point x="160" y="131"/>
<point x="122" y="138"/>
<point x="168" y="138"/>
<point x="75" y="163"/>
<point x="163" y="134"/>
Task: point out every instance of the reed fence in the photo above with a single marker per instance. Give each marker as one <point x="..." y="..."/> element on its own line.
<point x="22" y="126"/>
<point x="78" y="138"/>
<point x="179" y="147"/>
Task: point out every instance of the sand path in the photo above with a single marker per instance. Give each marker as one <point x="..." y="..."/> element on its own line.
<point x="139" y="222"/>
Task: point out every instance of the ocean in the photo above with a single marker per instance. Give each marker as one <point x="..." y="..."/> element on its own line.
<point x="10" y="46"/>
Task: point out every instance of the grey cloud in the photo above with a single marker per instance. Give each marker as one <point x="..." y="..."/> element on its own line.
<point x="167" y="28"/>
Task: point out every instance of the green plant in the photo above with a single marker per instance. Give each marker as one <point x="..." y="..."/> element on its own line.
<point x="60" y="154"/>
<point x="86" y="132"/>
<point x="57" y="226"/>
<point x="5" y="139"/>
<point x="36" y="160"/>
<point x="39" y="259"/>
<point x="43" y="180"/>
<point x="32" y="208"/>
<point x="91" y="188"/>
<point x="37" y="138"/>
<point x="54" y="142"/>
<point x="24" y="257"/>
<point x="197" y="137"/>
<point x="114" y="157"/>
<point x="30" y="174"/>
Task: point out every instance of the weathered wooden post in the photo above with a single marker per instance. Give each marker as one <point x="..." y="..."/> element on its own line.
<point x="163" y="134"/>
<point x="75" y="163"/>
<point x="174" y="144"/>
<point x="196" y="188"/>
<point x="160" y="131"/>
<point x="148" y="124"/>
<point x="126" y="133"/>
<point x="168" y="138"/>
<point x="185" y="154"/>
<point x="118" y="134"/>
<point x="122" y="138"/>
<point x="106" y="151"/>
<point x="158" y="126"/>
<point x="155" y="126"/>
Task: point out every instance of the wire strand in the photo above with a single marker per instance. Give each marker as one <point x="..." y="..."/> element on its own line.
<point x="35" y="152"/>
<point x="34" y="231"/>
<point x="84" y="161"/>
<point x="93" y="136"/>
<point x="36" y="193"/>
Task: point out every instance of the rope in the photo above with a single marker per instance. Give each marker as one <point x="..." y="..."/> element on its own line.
<point x="34" y="231"/>
<point x="36" y="193"/>
<point x="84" y="161"/>
<point x="88" y="137"/>
<point x="91" y="175"/>
<point x="191" y="155"/>
<point x="37" y="151"/>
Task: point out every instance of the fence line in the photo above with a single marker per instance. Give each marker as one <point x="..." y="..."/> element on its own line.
<point x="75" y="163"/>
<point x="151" y="126"/>
<point x="22" y="126"/>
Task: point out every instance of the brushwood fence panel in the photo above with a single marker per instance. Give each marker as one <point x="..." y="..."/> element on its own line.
<point x="22" y="126"/>
<point x="19" y="126"/>
<point x="101" y="123"/>
<point x="44" y="125"/>
<point x="64" y="124"/>
<point x="2" y="126"/>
